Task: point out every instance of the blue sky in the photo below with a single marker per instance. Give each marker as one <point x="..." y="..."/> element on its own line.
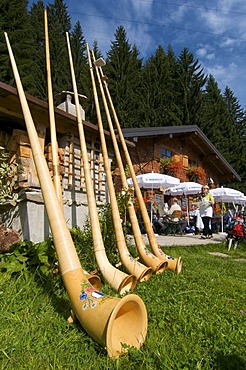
<point x="213" y="30"/>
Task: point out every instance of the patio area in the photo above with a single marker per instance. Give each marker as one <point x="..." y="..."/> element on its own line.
<point x="186" y="239"/>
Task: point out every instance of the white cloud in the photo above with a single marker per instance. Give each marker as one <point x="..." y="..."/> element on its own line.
<point x="224" y="75"/>
<point x="205" y="53"/>
<point x="202" y="52"/>
<point x="228" y="42"/>
<point x="142" y="8"/>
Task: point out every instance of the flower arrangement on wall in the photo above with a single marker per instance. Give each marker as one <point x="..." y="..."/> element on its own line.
<point x="169" y="167"/>
<point x="197" y="174"/>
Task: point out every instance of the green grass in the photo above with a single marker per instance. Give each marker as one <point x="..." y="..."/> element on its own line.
<point x="197" y="320"/>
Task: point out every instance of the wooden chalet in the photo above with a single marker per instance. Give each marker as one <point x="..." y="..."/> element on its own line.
<point x="186" y="145"/>
<point x="28" y="215"/>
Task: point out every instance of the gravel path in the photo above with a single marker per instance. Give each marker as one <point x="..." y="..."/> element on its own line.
<point x="186" y="239"/>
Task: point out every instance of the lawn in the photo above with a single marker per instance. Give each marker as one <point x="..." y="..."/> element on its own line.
<point x="196" y="320"/>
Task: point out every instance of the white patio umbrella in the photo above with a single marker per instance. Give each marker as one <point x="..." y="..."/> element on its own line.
<point x="184" y="188"/>
<point x="241" y="200"/>
<point x="154" y="180"/>
<point x="226" y="195"/>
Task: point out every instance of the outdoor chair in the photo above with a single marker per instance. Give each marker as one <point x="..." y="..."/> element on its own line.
<point x="174" y="225"/>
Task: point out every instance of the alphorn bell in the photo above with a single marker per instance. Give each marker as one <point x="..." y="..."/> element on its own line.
<point x="93" y="279"/>
<point x="117" y="279"/>
<point x="149" y="259"/>
<point x="110" y="321"/>
<point x="136" y="268"/>
<point x="174" y="264"/>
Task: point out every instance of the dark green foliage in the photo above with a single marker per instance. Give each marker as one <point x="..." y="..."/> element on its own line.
<point x="27" y="256"/>
<point x="78" y="47"/>
<point x="237" y="147"/>
<point x="39" y="55"/>
<point x="14" y="20"/>
<point x="157" y="89"/>
<point x="108" y="233"/>
<point x="214" y="113"/>
<point x="91" y="113"/>
<point x="84" y="245"/>
<point x="123" y="71"/>
<point x="189" y="84"/>
<point x="59" y="24"/>
<point x="223" y="123"/>
<point x="166" y="90"/>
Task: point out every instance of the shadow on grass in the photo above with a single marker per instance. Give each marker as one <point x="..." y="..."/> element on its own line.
<point x="229" y="362"/>
<point x="54" y="288"/>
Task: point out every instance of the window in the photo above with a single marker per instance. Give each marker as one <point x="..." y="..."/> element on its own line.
<point x="165" y="153"/>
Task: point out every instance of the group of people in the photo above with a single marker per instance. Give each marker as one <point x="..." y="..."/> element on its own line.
<point x="200" y="215"/>
<point x="162" y="226"/>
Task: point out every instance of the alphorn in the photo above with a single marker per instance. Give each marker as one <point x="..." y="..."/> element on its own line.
<point x="157" y="265"/>
<point x="136" y="268"/>
<point x="110" y="321"/>
<point x="54" y="145"/>
<point x="118" y="280"/>
<point x="174" y="264"/>
<point x="93" y="279"/>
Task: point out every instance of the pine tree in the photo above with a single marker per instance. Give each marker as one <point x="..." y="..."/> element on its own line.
<point x="190" y="81"/>
<point x="217" y="125"/>
<point x="15" y="21"/>
<point x="157" y="88"/>
<point x="122" y="69"/>
<point x="91" y="110"/>
<point x="213" y="112"/>
<point x="237" y="114"/>
<point x="59" y="24"/>
<point x="39" y="55"/>
<point x="174" y="113"/>
<point x="237" y="119"/>
<point x="78" y="47"/>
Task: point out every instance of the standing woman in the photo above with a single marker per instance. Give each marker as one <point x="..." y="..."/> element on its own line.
<point x="206" y="211"/>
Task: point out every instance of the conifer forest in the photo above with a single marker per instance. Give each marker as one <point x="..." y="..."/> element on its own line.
<point x="164" y="90"/>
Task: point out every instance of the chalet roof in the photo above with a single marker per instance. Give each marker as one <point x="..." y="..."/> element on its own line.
<point x="194" y="136"/>
<point x="11" y="114"/>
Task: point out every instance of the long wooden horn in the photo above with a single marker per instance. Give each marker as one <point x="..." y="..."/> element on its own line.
<point x="110" y="321"/>
<point x="136" y="268"/>
<point x="93" y="279"/>
<point x="54" y="145"/>
<point x="174" y="264"/>
<point x="116" y="278"/>
<point x="149" y="259"/>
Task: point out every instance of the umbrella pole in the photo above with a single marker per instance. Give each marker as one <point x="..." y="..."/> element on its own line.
<point x="151" y="206"/>
<point x="222" y="221"/>
<point x="187" y="210"/>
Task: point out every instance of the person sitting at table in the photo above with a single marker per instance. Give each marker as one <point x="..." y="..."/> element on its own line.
<point x="174" y="207"/>
<point x="165" y="223"/>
